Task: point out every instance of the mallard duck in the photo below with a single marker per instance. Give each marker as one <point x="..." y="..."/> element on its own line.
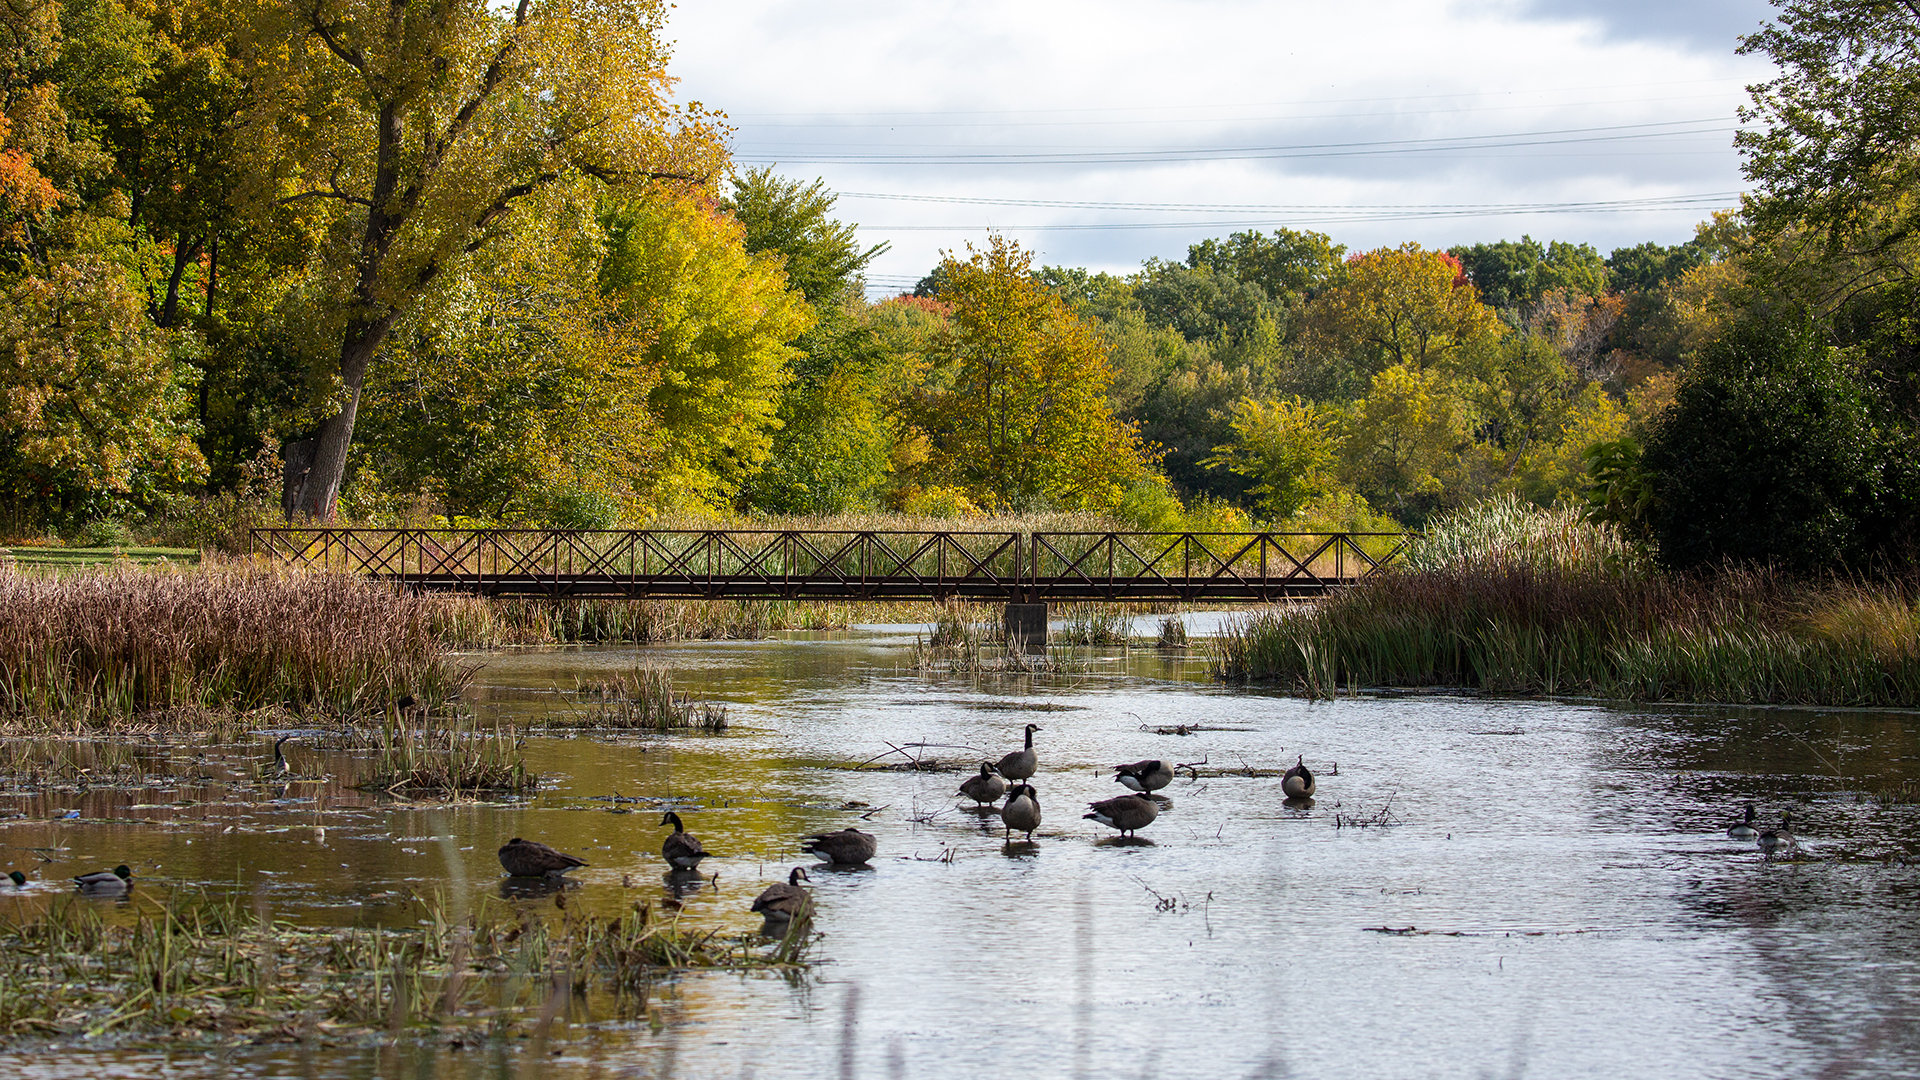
<point x="528" y="858"/>
<point x="1022" y="810"/>
<point x="1144" y="776"/>
<point x="19" y="879"/>
<point x="1744" y="828"/>
<point x="114" y="882"/>
<point x="1126" y="813"/>
<point x="781" y="902"/>
<point x="848" y="847"/>
<point x="1298" y="782"/>
<point x="984" y="788"/>
<point x="681" y="849"/>
<point x="1021" y="764"/>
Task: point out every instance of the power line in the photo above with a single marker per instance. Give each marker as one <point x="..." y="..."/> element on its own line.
<point x="1085" y="204"/>
<point x="1613" y="133"/>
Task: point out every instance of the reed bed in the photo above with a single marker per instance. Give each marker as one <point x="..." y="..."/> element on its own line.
<point x="1094" y="624"/>
<point x="642" y="699"/>
<point x="198" y="968"/>
<point x="450" y="755"/>
<point x="123" y="646"/>
<point x="1520" y="627"/>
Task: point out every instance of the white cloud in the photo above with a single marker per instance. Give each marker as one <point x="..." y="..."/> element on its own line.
<point x="1135" y="102"/>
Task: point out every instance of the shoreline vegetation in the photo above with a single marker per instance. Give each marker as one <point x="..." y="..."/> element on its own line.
<point x="223" y="971"/>
<point x="1514" y="600"/>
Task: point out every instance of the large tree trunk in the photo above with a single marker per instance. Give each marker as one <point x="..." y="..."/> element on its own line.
<point x="319" y="491"/>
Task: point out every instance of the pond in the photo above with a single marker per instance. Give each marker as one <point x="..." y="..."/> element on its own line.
<point x="1481" y="888"/>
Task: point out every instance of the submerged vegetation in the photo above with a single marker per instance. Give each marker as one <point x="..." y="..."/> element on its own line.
<point x="220" y="970"/>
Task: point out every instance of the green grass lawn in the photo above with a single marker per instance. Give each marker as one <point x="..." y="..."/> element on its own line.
<point x="64" y="557"/>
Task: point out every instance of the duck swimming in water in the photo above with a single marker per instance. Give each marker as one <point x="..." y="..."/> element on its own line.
<point x="114" y="882"/>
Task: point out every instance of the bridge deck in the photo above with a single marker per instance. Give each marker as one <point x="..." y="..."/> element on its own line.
<point x="844" y="565"/>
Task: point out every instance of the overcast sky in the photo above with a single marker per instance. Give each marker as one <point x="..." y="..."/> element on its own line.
<point x="1102" y="132"/>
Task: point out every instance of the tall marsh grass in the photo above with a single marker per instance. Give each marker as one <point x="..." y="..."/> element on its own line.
<point x="118" y="645"/>
<point x="1743" y="637"/>
<point x="643" y="699"/>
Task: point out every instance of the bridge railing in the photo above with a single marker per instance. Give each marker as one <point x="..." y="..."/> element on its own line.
<point x="843" y="564"/>
<point x="665" y="562"/>
<point x="1237" y="565"/>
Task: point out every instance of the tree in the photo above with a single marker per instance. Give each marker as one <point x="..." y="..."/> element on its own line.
<point x="829" y="451"/>
<point x="821" y="256"/>
<point x="91" y="399"/>
<point x="1290" y="267"/>
<point x="1404" y="443"/>
<point x="519" y="383"/>
<point x="413" y="127"/>
<point x="1838" y="151"/>
<point x="1018" y="413"/>
<point x="1287" y="447"/>
<point x="1770" y="454"/>
<point x="1512" y="275"/>
<point x="721" y="324"/>
<point x="1402" y="307"/>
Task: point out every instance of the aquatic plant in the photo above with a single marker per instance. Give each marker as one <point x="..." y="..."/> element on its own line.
<point x="1094" y="624"/>
<point x="198" y="967"/>
<point x="643" y="699"/>
<point x="85" y="650"/>
<point x="447" y="755"/>
<point x="1173" y="633"/>
<point x="1742" y="637"/>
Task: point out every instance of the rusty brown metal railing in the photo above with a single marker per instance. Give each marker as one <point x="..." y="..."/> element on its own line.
<point x="844" y="564"/>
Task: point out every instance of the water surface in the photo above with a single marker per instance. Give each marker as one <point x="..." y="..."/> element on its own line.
<point x="1533" y="888"/>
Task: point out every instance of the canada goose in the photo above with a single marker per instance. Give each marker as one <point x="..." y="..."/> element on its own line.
<point x="1020" y="764"/>
<point x="1144" y="776"/>
<point x="280" y="767"/>
<point x="1126" y="813"/>
<point x="782" y="902"/>
<point x="984" y="788"/>
<point x="1298" y="782"/>
<point x="848" y="847"/>
<point x="113" y="882"/>
<point x="528" y="858"/>
<point x="1022" y="810"/>
<point x="1743" y="829"/>
<point x="1778" y="838"/>
<point x="681" y="849"/>
<point x="19" y="879"/>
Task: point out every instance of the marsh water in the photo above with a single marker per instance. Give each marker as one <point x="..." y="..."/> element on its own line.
<point x="1481" y="888"/>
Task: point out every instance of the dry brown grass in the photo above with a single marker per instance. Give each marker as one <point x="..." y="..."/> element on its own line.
<point x="123" y="645"/>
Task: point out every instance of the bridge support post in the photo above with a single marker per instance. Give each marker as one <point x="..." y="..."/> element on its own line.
<point x="1027" y="626"/>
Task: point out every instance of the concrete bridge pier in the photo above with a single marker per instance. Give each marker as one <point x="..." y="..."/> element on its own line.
<point x="1027" y="626"/>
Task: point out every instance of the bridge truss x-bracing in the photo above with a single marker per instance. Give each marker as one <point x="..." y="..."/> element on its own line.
<point x="821" y="564"/>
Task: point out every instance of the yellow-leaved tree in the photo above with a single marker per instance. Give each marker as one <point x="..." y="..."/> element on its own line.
<point x="1015" y="408"/>
<point x="403" y="132"/>
<point x="1402" y="306"/>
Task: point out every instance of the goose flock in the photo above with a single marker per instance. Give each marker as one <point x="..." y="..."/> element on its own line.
<point x="782" y="902"/>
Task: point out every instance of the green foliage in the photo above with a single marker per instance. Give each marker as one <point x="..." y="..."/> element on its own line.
<point x="523" y="384"/>
<point x="1512" y="275"/>
<point x="92" y="399"/>
<point x="1837" y="146"/>
<point x="1286" y="447"/>
<point x="821" y="256"/>
<point x="1770" y="455"/>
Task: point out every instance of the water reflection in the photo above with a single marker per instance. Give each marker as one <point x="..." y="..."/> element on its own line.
<point x="1562" y="871"/>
